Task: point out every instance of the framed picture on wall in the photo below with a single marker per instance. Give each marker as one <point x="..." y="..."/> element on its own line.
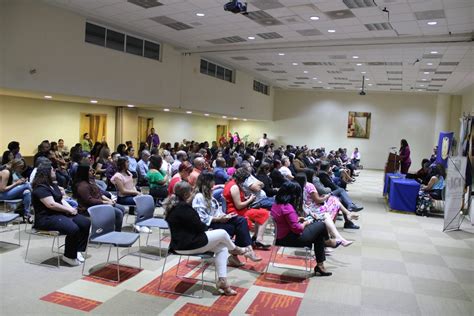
<point x="358" y="125"/>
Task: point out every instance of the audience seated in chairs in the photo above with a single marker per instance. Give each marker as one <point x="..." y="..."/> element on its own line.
<point x="53" y="213"/>
<point x="88" y="194"/>
<point x="277" y="177"/>
<point x="132" y="162"/>
<point x="143" y="167"/>
<point x="212" y="216"/>
<point x="322" y="208"/>
<point x="252" y="186"/>
<point x="13" y="186"/>
<point x="295" y="231"/>
<point x="263" y="175"/>
<point x="190" y="236"/>
<point x="237" y="203"/>
<point x="123" y="182"/>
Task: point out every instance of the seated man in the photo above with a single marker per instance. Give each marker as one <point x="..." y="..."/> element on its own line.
<point x="253" y="186"/>
<point x="220" y="174"/>
<point x="142" y="168"/>
<point x="336" y="190"/>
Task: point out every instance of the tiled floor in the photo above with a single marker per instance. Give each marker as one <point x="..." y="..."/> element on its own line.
<point x="400" y="264"/>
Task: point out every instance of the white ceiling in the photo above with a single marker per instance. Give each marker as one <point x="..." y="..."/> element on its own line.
<point x="387" y="56"/>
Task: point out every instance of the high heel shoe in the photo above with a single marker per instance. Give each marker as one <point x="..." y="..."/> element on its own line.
<point x="252" y="256"/>
<point x="235" y="262"/>
<point x="338" y="243"/>
<point x="346" y="243"/>
<point x="238" y="251"/>
<point x="225" y="288"/>
<point x="260" y="245"/>
<point x="317" y="269"/>
<point x="353" y="216"/>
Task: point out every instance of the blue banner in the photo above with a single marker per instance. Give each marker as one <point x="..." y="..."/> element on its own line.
<point x="444" y="147"/>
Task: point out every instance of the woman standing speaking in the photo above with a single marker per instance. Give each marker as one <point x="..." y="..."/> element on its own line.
<point x="404" y="153"/>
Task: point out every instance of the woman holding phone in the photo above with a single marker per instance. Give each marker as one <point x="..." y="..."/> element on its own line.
<point x="212" y="216"/>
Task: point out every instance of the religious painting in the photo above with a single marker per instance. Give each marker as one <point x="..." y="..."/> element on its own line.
<point x="358" y="125"/>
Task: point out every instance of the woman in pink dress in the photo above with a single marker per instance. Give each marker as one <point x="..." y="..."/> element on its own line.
<point x="323" y="208"/>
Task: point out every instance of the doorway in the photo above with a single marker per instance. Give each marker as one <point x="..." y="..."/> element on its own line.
<point x="144" y="126"/>
<point x="221" y="129"/>
<point x="95" y="125"/>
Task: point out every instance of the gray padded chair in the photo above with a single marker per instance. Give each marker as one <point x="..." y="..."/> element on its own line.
<point x="145" y="207"/>
<point x="6" y="218"/>
<point x="103" y="232"/>
<point x="274" y="253"/>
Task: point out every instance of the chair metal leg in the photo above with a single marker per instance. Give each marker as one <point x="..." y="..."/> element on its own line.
<point x="108" y="256"/>
<point x="177" y="267"/>
<point x="118" y="265"/>
<point x="159" y="240"/>
<point x="85" y="259"/>
<point x="162" y="272"/>
<point x="52" y="245"/>
<point x="19" y="233"/>
<point x="27" y="248"/>
<point x="58" y="255"/>
<point x="139" y="254"/>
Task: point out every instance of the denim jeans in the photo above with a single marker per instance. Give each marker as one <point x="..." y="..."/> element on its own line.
<point x="264" y="203"/>
<point x="217" y="194"/>
<point x="344" y="197"/>
<point x="22" y="191"/>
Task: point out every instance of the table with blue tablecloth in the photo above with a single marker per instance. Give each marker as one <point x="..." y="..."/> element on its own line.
<point x="388" y="179"/>
<point x="403" y="194"/>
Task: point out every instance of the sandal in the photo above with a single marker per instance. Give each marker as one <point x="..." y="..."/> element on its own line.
<point x="222" y="285"/>
<point x="238" y="251"/>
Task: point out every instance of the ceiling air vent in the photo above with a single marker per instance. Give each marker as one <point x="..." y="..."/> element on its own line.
<point x="337" y="56"/>
<point x="443" y="72"/>
<point x="302" y="78"/>
<point x="265" y="64"/>
<point x="347" y="69"/>
<point x="239" y="58"/>
<point x="318" y="63"/>
<point x="449" y="63"/>
<point x="279" y="71"/>
<point x="146" y="3"/>
<point x="267" y="4"/>
<point x="432" y="56"/>
<point x="299" y="82"/>
<point x="263" y="18"/>
<point x="227" y="40"/>
<point x="270" y="35"/>
<point x="395" y="89"/>
<point x="354" y="4"/>
<point x="339" y="88"/>
<point x="340" y="78"/>
<point x="439" y="79"/>
<point x="379" y="26"/>
<point x="394" y="79"/>
<point x="376" y="63"/>
<point x="334" y="72"/>
<point x="261" y="69"/>
<point x="430" y="15"/>
<point x="309" y="32"/>
<point x="393" y="63"/>
<point x="281" y="79"/>
<point x="171" y="23"/>
<point x="339" y="14"/>
<point x="435" y="85"/>
<point x="394" y="72"/>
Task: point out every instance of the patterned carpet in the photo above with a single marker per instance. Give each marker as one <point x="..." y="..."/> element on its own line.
<point x="399" y="264"/>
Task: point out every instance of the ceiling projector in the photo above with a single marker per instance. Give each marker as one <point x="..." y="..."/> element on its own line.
<point x="236" y="7"/>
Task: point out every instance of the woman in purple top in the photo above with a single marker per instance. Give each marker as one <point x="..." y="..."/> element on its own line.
<point x="404" y="153"/>
<point x="294" y="231"/>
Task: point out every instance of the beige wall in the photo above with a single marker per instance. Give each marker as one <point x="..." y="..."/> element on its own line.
<point x="51" y="40"/>
<point x="29" y="121"/>
<point x="320" y="119"/>
<point x="468" y="100"/>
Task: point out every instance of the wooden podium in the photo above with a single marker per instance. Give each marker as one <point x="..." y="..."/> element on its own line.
<point x="393" y="163"/>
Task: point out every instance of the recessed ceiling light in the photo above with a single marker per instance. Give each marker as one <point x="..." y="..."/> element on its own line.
<point x="130" y="105"/>
<point x="200" y="14"/>
<point x="422" y="85"/>
<point x="235" y="118"/>
<point x="369" y="84"/>
<point x="295" y="64"/>
<point x="251" y="37"/>
<point x="245" y="120"/>
<point x="363" y="72"/>
<point x="315" y="78"/>
<point x="331" y="31"/>
<point x="306" y="71"/>
<point x="424" y="79"/>
<point x="205" y="114"/>
<point x="420" y="90"/>
<point x="320" y="82"/>
<point x="433" y="52"/>
<point x="189" y="112"/>
<point x="166" y="110"/>
<point x="224" y="116"/>
<point x="314" y="18"/>
<point x="48" y="97"/>
<point x="327" y="87"/>
<point x="429" y="64"/>
<point x="432" y="23"/>
<point x="93" y="101"/>
<point x="367" y="79"/>
<point x="281" y="54"/>
<point x="355" y="57"/>
<point x="426" y="73"/>
<point x="358" y="64"/>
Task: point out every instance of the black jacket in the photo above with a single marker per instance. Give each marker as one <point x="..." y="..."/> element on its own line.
<point x="327" y="181"/>
<point x="277" y="178"/>
<point x="187" y="230"/>
<point x="267" y="184"/>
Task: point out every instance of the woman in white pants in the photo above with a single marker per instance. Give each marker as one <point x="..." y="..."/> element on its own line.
<point x="190" y="236"/>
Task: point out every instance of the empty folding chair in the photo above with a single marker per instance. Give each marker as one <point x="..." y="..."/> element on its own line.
<point x="103" y="232"/>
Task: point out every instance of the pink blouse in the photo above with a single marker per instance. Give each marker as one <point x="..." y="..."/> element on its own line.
<point x="286" y="220"/>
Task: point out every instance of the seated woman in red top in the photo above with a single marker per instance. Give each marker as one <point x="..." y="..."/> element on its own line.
<point x="239" y="204"/>
<point x="294" y="231"/>
<point x="184" y="170"/>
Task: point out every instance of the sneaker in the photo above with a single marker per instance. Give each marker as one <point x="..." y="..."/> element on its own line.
<point x="80" y="257"/>
<point x="71" y="262"/>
